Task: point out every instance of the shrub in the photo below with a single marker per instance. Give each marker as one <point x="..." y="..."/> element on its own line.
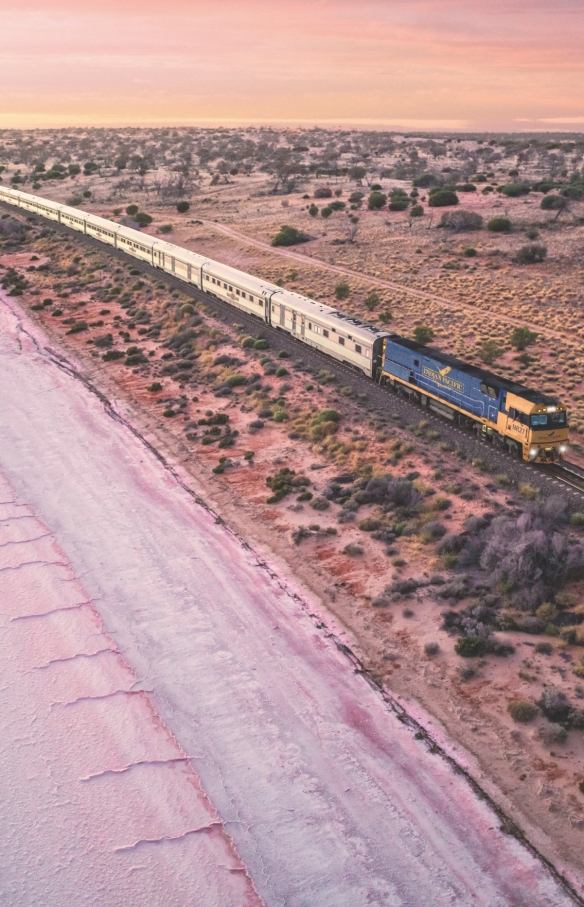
<point x="281" y="416"/>
<point x="528" y="492"/>
<point x="323" y="192"/>
<point x="342" y="290"/>
<point x="515" y="190"/>
<point x="544" y="648"/>
<point x="398" y="204"/>
<point x="423" y="333"/>
<point x="261" y="344"/>
<point x="499" y="224"/>
<point x="320" y="503"/>
<point x="326" y="212"/>
<point x="372" y="301"/>
<point x="78" y="327"/>
<point x="416" y="211"/>
<point x="289" y="236"/>
<point x="74" y="201"/>
<point x="426" y="180"/>
<point x="154" y="387"/>
<point x="553" y="203"/>
<point x="376" y="201"/>
<point x="552" y="733"/>
<point x="522" y="337"/>
<point x="182" y="207"/>
<point x="466" y="187"/>
<point x="531" y="254"/>
<point x="369" y="524"/>
<point x="165" y="228"/>
<point x="442" y="198"/>
<point x="352" y="550"/>
<point x="313" y="210"/>
<point x="490" y="351"/>
<point x="143" y="219"/>
<point x="522" y="710"/>
<point x="131" y="210"/>
<point x="281" y="372"/>
<point x="431" y="648"/>
<point x="461" y="221"/>
<point x="469" y="252"/>
<point x="470" y="646"/>
<point x="112" y="355"/>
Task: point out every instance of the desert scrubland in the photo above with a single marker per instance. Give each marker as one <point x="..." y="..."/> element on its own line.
<point x="462" y="588"/>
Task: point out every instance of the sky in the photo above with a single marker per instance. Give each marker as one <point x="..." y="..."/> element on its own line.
<point x="402" y="64"/>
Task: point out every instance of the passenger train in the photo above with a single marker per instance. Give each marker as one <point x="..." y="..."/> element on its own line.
<point x="528" y="423"/>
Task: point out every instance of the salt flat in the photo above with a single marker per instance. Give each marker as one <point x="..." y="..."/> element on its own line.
<point x="179" y="729"/>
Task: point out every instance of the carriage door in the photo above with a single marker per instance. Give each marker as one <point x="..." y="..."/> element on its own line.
<point x="282" y="315"/>
<point x="302" y="326"/>
<point x="294" y="322"/>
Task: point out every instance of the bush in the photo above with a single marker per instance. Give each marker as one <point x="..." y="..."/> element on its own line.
<point x="522" y="337"/>
<point x="376" y="201"/>
<point x="112" y="355"/>
<point x="74" y="201"/>
<point x="461" y="221"/>
<point x="431" y="648"/>
<point x="143" y="219"/>
<point x="443" y="198"/>
<point x="515" y="190"/>
<point x="131" y="210"/>
<point x="470" y="646"/>
<point x="553" y="203"/>
<point x="165" y="228"/>
<point x="426" y="180"/>
<point x="154" y="387"/>
<point x="522" y="710"/>
<point x="544" y="648"/>
<point x="499" y="224"/>
<point x="282" y="372"/>
<point x="77" y="328"/>
<point x="490" y="351"/>
<point x="372" y="301"/>
<point x="323" y="192"/>
<point x="423" y="333"/>
<point x="466" y="187"/>
<point x="352" y="550"/>
<point x="469" y="252"/>
<point x="326" y="212"/>
<point x="342" y="290"/>
<point x="417" y="211"/>
<point x="552" y="733"/>
<point x="398" y="204"/>
<point x="289" y="236"/>
<point x="320" y="503"/>
<point x="531" y="254"/>
<point x="313" y="210"/>
<point x="182" y="207"/>
<point x="261" y="344"/>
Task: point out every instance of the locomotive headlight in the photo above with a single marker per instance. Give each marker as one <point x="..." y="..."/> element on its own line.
<point x="563" y="448"/>
<point x="533" y="452"/>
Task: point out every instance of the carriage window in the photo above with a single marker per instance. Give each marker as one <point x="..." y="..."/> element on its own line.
<point x="416" y="361"/>
<point x="243" y="295"/>
<point x="539" y="420"/>
<point x="357" y="348"/>
<point x="342" y="341"/>
<point x="231" y="289"/>
<point x="325" y="333"/>
<point x="238" y="293"/>
<point x="368" y="353"/>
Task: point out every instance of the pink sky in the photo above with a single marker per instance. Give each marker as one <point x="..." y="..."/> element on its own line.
<point x="401" y="63"/>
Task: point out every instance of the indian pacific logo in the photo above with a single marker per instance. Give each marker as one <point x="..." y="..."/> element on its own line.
<point x="444" y="371"/>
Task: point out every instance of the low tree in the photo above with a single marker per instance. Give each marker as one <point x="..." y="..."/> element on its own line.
<point x="423" y="334"/>
<point x="313" y="210"/>
<point x="131" y="210"/>
<point x="416" y="211"/>
<point x="520" y="338"/>
<point x="490" y="351"/>
<point x="353" y="227"/>
<point x="358" y="174"/>
<point x="323" y="192"/>
<point x="182" y="207"/>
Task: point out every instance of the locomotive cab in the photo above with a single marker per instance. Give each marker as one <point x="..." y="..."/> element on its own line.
<point x="538" y="424"/>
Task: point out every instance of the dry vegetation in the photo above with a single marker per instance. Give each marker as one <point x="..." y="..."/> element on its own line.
<point x="462" y="590"/>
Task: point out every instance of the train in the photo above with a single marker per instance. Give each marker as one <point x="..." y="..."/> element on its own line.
<point x="527" y="423"/>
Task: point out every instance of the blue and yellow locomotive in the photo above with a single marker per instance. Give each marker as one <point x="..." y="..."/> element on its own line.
<point x="528" y="423"/>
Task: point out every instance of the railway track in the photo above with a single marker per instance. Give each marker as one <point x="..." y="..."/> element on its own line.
<point x="381" y="401"/>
